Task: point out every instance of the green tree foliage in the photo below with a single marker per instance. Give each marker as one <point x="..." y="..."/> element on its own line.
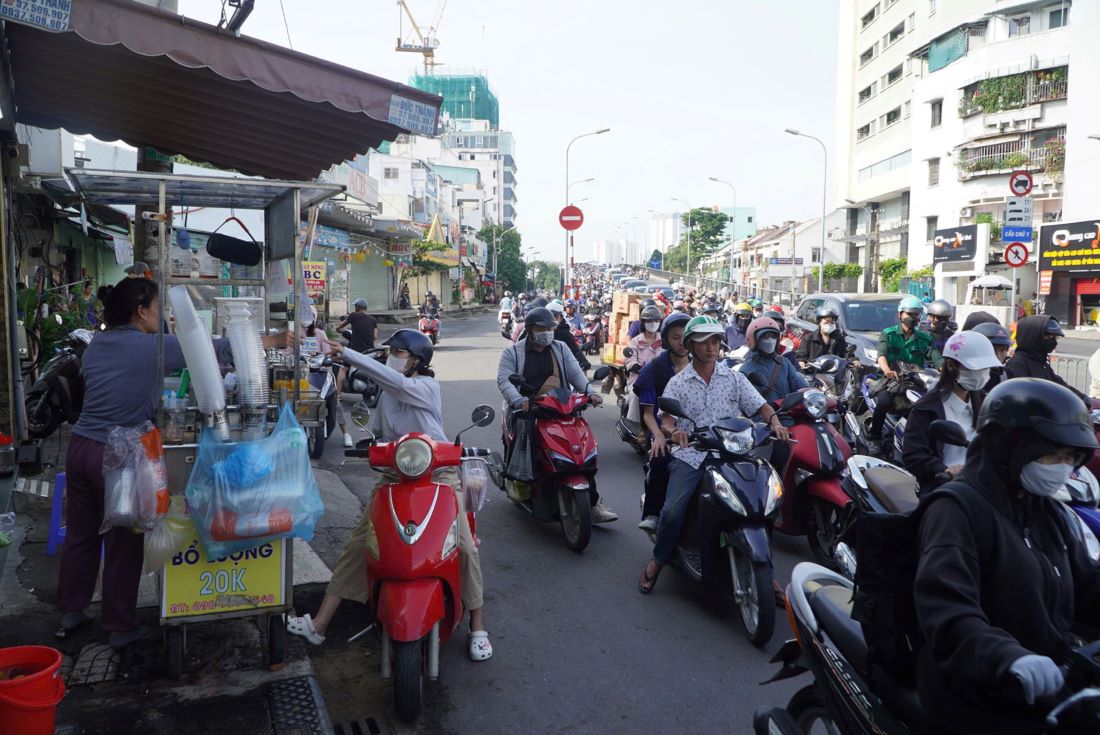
<point x="707" y="233"/>
<point x="994" y="227"/>
<point x="547" y="275"/>
<point x="421" y="266"/>
<point x="838" y="270"/>
<point x="890" y="272"/>
<point x="512" y="273"/>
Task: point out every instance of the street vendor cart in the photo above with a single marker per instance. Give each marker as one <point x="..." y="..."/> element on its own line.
<point x="253" y="581"/>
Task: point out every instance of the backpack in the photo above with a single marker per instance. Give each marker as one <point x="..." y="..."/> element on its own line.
<point x="887" y="548"/>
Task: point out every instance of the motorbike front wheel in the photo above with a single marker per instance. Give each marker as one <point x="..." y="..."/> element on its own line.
<point x="43" y="417"/>
<point x="315" y="441"/>
<point x="825" y="526"/>
<point x="810" y="713"/>
<point x="408" y="679"/>
<point x="757" y="609"/>
<point x="576" y="518"/>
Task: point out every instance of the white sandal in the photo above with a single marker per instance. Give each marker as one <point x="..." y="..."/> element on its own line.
<point x="480" y="648"/>
<point x="303" y="626"/>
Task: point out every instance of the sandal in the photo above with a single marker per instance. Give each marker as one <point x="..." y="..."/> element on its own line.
<point x="70" y="623"/>
<point x="480" y="648"/>
<point x="646" y="582"/>
<point x="303" y="626"/>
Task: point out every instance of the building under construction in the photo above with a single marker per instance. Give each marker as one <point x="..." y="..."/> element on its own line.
<point x="465" y="96"/>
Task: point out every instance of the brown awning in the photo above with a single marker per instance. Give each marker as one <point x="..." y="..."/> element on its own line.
<point x="129" y="71"/>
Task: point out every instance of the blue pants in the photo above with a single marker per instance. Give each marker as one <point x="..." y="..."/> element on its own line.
<point x="683" y="479"/>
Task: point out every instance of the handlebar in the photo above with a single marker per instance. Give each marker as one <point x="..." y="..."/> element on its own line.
<point x="475" y="452"/>
<point x="362" y="453"/>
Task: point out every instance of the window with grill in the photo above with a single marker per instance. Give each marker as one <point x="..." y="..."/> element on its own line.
<point x="869" y="17"/>
<point x="892" y="116"/>
<point x="894" y="75"/>
<point x="866" y="56"/>
<point x="866" y="93"/>
<point x="937" y="113"/>
<point x="864" y="132"/>
<point x="933" y="172"/>
<point x="931" y="224"/>
<point x="896" y="33"/>
<point x="1019" y="26"/>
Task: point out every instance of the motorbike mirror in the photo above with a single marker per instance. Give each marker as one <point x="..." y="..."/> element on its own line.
<point x="949" y="432"/>
<point x="628" y="352"/>
<point x="601" y="373"/>
<point x="516" y="379"/>
<point x="756" y="380"/>
<point x="360" y="414"/>
<point x="851" y="352"/>
<point x="483" y="415"/>
<point x="791" y="400"/>
<point x="671" y="406"/>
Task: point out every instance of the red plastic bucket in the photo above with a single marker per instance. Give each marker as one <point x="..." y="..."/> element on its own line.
<point x="28" y="705"/>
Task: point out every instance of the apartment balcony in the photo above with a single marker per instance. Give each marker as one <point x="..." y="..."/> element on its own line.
<point x="1004" y="158"/>
<point x="1014" y="91"/>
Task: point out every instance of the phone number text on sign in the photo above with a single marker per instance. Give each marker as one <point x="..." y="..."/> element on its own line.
<point x="51" y="15"/>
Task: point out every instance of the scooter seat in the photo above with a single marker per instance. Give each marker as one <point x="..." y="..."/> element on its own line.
<point x="832" y="605"/>
<point x="895" y="488"/>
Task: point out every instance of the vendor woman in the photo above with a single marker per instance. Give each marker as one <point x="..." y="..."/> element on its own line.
<point x="121" y="388"/>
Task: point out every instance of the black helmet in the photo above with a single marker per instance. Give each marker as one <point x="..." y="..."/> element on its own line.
<point x="826" y="310"/>
<point x="675" y="319"/>
<point x="414" y="342"/>
<point x="712" y="307"/>
<point x="648" y="302"/>
<point x="651" y="314"/>
<point x="1053" y="327"/>
<point x="1044" y="407"/>
<point x="939" y="307"/>
<point x="777" y="316"/>
<point x="998" y="336"/>
<point x="539" y="316"/>
<point x="540" y="301"/>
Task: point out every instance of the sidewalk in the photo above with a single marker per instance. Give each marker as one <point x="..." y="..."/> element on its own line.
<point x="226" y="683"/>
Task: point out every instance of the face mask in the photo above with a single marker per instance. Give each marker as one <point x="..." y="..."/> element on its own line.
<point x="1049" y="343"/>
<point x="543" y="339"/>
<point x="973" y="379"/>
<point x="1044" y="479"/>
<point x="909" y="321"/>
<point x="397" y="364"/>
<point x="651" y="326"/>
<point x="828" y="328"/>
<point x="767" y="345"/>
<point x="743" y="322"/>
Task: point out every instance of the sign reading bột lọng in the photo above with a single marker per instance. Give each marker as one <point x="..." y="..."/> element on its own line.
<point x="246" y="580"/>
<point x="1070" y="246"/>
<point x="957" y="243"/>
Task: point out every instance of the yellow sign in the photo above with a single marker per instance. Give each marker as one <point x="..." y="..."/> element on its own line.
<point x="246" y="580"/>
<point x="314" y="272"/>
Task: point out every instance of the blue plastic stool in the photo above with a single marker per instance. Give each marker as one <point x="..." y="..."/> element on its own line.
<point x="57" y="531"/>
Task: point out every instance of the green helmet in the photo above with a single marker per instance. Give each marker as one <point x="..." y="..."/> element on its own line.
<point x="701" y="328"/>
<point x="756" y="302"/>
<point x="910" y="303"/>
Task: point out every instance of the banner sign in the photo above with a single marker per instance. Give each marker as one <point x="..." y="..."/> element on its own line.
<point x="443" y="257"/>
<point x="957" y="243"/>
<point x="49" y="15"/>
<point x="1070" y="246"/>
<point x="315" y="273"/>
<point x="246" y="580"/>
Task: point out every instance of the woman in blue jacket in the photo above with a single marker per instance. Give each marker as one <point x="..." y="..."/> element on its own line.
<point x="775" y="376"/>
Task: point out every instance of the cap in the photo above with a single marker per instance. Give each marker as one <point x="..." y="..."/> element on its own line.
<point x="360" y="304"/>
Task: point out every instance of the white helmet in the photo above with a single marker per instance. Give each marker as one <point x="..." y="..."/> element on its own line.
<point x="972" y="350"/>
<point x="557" y="308"/>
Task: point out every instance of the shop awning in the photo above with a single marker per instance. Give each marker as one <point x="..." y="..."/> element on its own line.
<point x="128" y="71"/>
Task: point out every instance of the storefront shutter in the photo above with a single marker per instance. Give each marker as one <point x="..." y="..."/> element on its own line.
<point x="370" y="280"/>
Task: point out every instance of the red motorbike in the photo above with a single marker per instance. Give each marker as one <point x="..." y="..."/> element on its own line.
<point x="429" y="325"/>
<point x="814" y="499"/>
<point x="412" y="556"/>
<point x="564" y="465"/>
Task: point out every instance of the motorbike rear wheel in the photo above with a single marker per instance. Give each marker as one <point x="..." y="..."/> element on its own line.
<point x="408" y="679"/>
<point x="810" y="713"/>
<point x="315" y="441"/>
<point x="43" y="417"/>
<point x="576" y="518"/>
<point x="757" y="609"/>
<point x="825" y="524"/>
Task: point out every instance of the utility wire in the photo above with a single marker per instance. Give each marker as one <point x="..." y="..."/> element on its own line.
<point x="286" y="25"/>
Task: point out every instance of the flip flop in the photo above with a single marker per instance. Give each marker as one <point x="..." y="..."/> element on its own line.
<point x="303" y="626"/>
<point x="70" y="623"/>
<point x="646" y="583"/>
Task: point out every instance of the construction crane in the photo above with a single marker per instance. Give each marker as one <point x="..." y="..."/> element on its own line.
<point x="425" y="42"/>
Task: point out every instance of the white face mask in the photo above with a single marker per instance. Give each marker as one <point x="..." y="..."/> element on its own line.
<point x="1044" y="479"/>
<point x="973" y="379"/>
<point x="828" y="328"/>
<point x="767" y="345"/>
<point x="397" y="364"/>
<point x="543" y="339"/>
<point x="651" y="326"/>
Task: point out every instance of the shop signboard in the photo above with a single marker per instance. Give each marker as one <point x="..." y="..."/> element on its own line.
<point x="314" y="272"/>
<point x="412" y="115"/>
<point x="49" y="15"/>
<point x="243" y="581"/>
<point x="786" y="261"/>
<point x="1070" y="246"/>
<point x="1045" y="277"/>
<point x="955" y="244"/>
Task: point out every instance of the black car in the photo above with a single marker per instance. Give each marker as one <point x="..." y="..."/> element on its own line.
<point x="862" y="317"/>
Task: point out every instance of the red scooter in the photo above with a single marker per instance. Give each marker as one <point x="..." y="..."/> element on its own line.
<point x="429" y="325"/>
<point x="564" y="466"/>
<point x="412" y="556"/>
<point x="814" y="498"/>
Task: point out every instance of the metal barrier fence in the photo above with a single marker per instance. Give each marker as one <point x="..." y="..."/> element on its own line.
<point x="787" y="299"/>
<point x="1073" y="369"/>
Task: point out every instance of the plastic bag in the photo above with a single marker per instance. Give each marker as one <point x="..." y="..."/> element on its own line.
<point x="521" y="460"/>
<point x="169" y="535"/>
<point x="135" y="478"/>
<point x="250" y="493"/>
<point x="475" y="483"/>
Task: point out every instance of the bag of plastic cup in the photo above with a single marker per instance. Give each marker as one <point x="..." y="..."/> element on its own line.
<point x="135" y="478"/>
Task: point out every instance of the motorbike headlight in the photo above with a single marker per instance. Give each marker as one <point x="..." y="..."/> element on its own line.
<point x="725" y="492"/>
<point x="775" y="494"/>
<point x="450" y="544"/>
<point x="413" y="457"/>
<point x="372" y="541"/>
<point x="737" y="442"/>
<point x="870" y="353"/>
<point x="816" y="403"/>
<point x="1092" y="544"/>
<point x="316" y="362"/>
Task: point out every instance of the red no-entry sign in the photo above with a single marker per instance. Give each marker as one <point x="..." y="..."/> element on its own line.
<point x="1016" y="254"/>
<point x="571" y="218"/>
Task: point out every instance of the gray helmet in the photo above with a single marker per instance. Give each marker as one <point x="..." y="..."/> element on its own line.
<point x="360" y="304"/>
<point x="826" y="310"/>
<point x="939" y="307"/>
<point x="651" y="314"/>
<point x="996" y="334"/>
<point x="414" y="342"/>
<point x="540" y="316"/>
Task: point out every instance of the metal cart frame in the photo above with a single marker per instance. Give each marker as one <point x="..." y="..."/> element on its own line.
<point x="283" y="203"/>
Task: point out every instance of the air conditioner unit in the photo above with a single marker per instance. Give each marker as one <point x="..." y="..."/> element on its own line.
<point x="966" y="212"/>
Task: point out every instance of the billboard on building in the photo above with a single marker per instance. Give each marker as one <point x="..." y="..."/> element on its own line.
<point x="1070" y="246"/>
<point x="954" y="244"/>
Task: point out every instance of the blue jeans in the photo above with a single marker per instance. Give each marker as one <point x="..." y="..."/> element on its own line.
<point x="683" y="479"/>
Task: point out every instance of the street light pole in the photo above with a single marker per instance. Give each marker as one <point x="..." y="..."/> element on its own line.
<point x="496" y="275"/>
<point x="733" y="219"/>
<point x="824" y="197"/>
<point x="691" y="234"/>
<point x="565" y="273"/>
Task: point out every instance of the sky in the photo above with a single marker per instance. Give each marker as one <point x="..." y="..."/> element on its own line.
<point x="691" y="89"/>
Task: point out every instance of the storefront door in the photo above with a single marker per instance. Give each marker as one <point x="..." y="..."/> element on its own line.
<point x="1087" y="312"/>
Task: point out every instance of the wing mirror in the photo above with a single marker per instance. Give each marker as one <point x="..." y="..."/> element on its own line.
<point x="483" y="415"/>
<point x="601" y="373"/>
<point x="949" y="432"/>
<point x="671" y="406"/>
<point x="360" y="415"/>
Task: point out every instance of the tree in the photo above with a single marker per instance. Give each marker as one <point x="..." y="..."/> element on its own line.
<point x="421" y="266"/>
<point x="511" y="272"/>
<point x="890" y="272"/>
<point x="705" y="228"/>
<point x="547" y="275"/>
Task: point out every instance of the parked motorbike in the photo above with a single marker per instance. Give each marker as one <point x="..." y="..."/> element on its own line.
<point x="724" y="544"/>
<point x="564" y="488"/>
<point x="830" y="645"/>
<point x="916" y="382"/>
<point x="58" y="393"/>
<point x="429" y="325"/>
<point x="321" y="377"/>
<point x="412" y="555"/>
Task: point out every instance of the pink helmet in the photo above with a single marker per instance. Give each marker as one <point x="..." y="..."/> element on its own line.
<point x="760" y="324"/>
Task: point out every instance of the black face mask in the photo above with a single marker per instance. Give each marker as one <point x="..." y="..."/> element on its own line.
<point x="936" y="325"/>
<point x="743" y="322"/>
<point x="1050" y="342"/>
<point x="909" y="321"/>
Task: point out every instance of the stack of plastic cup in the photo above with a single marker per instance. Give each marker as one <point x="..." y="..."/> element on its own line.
<point x="198" y="351"/>
<point x="251" y="364"/>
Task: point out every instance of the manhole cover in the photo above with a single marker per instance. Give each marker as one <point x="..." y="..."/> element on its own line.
<point x="297" y="707"/>
<point x="97" y="663"/>
<point x="364" y="726"/>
